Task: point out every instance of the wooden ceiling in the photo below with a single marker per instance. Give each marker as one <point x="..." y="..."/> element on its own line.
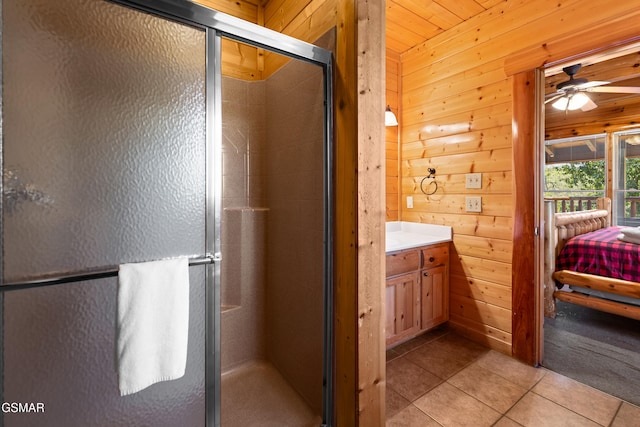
<point x="615" y="111"/>
<point x="621" y="71"/>
<point x="411" y="22"/>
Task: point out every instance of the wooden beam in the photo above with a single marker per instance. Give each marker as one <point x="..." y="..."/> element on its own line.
<point x="590" y="146"/>
<point x="549" y="151"/>
<point x="593" y="39"/>
<point x="549" y="259"/>
<point x="370" y="49"/>
<point x="346" y="277"/>
<point x="524" y="239"/>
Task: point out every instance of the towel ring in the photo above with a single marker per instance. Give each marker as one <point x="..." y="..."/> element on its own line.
<point x="433" y="185"/>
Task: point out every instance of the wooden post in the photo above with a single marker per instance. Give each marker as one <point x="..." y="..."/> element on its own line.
<point x="524" y="239"/>
<point x="346" y="277"/>
<point x="549" y="260"/>
<point x="360" y="216"/>
<point x="371" y="212"/>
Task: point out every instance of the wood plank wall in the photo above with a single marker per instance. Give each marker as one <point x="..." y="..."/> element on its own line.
<point x="392" y="90"/>
<point x="456" y="117"/>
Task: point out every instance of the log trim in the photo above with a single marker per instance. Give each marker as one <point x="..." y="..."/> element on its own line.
<point x="598" y="283"/>
<point x="621" y="309"/>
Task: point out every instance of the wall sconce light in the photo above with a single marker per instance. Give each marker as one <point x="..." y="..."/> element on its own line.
<point x="390" y="118"/>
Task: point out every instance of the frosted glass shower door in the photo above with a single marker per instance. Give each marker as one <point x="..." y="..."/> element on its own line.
<point x="103" y="149"/>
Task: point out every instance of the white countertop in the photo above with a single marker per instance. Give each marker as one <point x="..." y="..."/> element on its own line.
<point x="405" y="235"/>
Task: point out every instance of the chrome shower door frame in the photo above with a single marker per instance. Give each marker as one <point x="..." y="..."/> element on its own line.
<point x="218" y="25"/>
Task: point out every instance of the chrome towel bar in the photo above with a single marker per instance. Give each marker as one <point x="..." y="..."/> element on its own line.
<point x="111" y="271"/>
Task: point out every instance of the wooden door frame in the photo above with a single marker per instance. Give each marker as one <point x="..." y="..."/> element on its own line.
<point x="525" y="68"/>
<point x="526" y="278"/>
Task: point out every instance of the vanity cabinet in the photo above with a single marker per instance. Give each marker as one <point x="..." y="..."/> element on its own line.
<point x="403" y="307"/>
<point x="417" y="291"/>
<point x="434" y="304"/>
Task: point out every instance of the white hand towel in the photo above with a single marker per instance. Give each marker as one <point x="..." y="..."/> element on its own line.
<point x="152" y="323"/>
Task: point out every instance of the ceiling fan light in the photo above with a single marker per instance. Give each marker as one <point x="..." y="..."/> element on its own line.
<point x="571" y="102"/>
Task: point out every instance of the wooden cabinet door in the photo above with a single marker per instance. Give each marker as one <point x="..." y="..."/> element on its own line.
<point x="402" y="306"/>
<point x="434" y="292"/>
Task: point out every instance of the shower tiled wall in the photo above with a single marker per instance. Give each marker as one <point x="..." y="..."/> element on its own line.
<point x="243" y="329"/>
<point x="294" y="165"/>
<point x="243" y="142"/>
<point x="243" y="233"/>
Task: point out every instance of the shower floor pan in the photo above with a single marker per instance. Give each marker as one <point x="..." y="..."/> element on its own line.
<point x="255" y="394"/>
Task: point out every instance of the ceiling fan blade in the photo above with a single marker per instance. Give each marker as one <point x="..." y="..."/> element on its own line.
<point x="588" y="85"/>
<point x="614" y="89"/>
<point x="553" y="97"/>
<point x="590" y="105"/>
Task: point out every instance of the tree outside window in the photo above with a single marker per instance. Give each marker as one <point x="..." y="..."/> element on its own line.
<point x="575" y="172"/>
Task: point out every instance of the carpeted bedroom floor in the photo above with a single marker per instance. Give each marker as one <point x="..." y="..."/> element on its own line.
<point x="598" y="349"/>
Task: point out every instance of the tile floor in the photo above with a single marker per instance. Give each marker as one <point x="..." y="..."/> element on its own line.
<point x="443" y="379"/>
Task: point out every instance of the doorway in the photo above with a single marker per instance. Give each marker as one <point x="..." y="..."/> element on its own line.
<point x="580" y="149"/>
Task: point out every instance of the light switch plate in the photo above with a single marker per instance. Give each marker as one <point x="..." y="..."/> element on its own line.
<point x="409" y="202"/>
<point x="473" y="204"/>
<point x="474" y="180"/>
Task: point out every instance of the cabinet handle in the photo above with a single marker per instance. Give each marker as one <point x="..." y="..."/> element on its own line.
<point x="425" y="274"/>
<point x="431" y="259"/>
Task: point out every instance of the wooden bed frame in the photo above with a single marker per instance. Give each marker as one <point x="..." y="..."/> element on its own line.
<point x="559" y="228"/>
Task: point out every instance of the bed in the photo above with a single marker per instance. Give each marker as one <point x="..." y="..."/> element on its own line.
<point x="614" y="286"/>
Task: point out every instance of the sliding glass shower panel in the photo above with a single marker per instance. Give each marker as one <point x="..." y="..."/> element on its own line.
<point x="273" y="198"/>
<point x="103" y="164"/>
<point x="104" y="128"/>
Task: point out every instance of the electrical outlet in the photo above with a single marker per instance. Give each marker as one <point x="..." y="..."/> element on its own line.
<point x="473" y="204"/>
<point x="409" y="202"/>
<point x="474" y="180"/>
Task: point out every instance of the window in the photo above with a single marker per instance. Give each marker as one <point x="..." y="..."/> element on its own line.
<point x="626" y="191"/>
<point x="574" y="172"/>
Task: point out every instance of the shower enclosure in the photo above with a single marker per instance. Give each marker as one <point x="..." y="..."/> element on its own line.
<point x="141" y="130"/>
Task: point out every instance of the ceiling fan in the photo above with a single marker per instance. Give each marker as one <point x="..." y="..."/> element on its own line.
<point x="570" y="94"/>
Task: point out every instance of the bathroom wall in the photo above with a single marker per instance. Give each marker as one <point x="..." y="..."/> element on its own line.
<point x="295" y="120"/>
<point x="393" y="89"/>
<point x="243" y="236"/>
<point x="457" y="111"/>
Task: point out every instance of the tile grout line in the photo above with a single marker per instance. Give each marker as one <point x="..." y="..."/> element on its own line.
<point x="577" y="413"/>
<point x="528" y="390"/>
<point x="616" y="414"/>
<point x="502" y="414"/>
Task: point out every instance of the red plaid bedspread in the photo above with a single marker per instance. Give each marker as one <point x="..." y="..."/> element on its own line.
<point x="601" y="253"/>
